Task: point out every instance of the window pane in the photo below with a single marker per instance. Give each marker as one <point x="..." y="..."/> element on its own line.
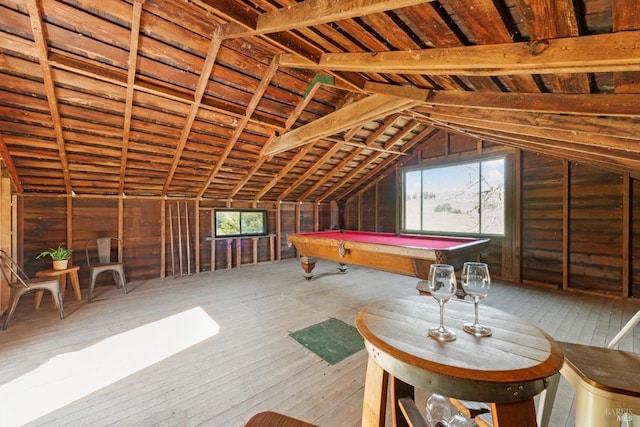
<point x="492" y="188"/>
<point x="227" y="223"/>
<point x="412" y="194"/>
<point x="252" y="222"/>
<point x="450" y="199"/>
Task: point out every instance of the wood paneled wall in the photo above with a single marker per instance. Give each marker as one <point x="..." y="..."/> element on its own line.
<point x="144" y="227"/>
<point x="569" y="225"/>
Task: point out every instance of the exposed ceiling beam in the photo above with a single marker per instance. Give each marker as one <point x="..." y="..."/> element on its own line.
<point x="597" y="104"/>
<point x="619" y="134"/>
<point x="540" y="27"/>
<point x="214" y="46"/>
<point x="374" y="176"/>
<point x="369" y="161"/>
<point x="9" y="165"/>
<point x="49" y="87"/>
<point x="562" y="55"/>
<point x="253" y="104"/>
<point x="315" y="12"/>
<point x="362" y="111"/>
<point x="131" y="79"/>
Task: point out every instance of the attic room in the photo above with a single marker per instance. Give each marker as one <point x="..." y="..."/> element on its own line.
<point x="218" y="142"/>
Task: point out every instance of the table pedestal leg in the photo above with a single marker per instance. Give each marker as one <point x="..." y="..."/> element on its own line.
<point x="375" y="395"/>
<point x="399" y="389"/>
<point x="514" y="414"/>
<point x="308" y="264"/>
<point x="75" y="283"/>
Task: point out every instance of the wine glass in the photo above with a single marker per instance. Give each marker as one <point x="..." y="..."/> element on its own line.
<point x="438" y="411"/>
<point x="442" y="285"/>
<point x="475" y="282"/>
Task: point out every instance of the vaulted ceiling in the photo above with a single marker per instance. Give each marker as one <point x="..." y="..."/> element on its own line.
<point x="303" y="101"/>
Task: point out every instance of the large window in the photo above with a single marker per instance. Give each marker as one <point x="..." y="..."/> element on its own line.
<point x="466" y="198"/>
<point x="234" y="222"/>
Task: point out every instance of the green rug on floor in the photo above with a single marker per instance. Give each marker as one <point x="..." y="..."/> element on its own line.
<point x="332" y="340"/>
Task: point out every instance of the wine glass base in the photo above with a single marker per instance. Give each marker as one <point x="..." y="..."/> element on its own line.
<point x="476" y="330"/>
<point x="442" y="334"/>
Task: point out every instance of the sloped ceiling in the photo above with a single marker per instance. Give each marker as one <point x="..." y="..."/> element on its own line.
<point x="303" y="101"/>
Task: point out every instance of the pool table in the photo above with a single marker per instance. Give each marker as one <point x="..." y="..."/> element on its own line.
<point x="407" y="254"/>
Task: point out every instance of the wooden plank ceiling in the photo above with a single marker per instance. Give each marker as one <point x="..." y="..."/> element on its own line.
<point x="303" y="101"/>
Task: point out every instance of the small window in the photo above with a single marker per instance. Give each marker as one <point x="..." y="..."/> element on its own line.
<point x="234" y="222"/>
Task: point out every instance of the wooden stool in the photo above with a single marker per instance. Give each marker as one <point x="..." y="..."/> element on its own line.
<point x="75" y="283"/>
<point x="273" y="419"/>
<point x="607" y="383"/>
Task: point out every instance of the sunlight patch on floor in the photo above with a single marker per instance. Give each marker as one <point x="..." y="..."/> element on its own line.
<point x="70" y="376"/>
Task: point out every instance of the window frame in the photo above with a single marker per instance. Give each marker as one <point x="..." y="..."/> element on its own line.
<point x="265" y="222"/>
<point x="475" y="161"/>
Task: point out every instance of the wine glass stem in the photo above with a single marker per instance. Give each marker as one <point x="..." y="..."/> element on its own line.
<point x="476" y="304"/>
<point x="441" y="315"/>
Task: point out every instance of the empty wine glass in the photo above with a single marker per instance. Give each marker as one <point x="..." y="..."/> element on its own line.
<point x="442" y="285"/>
<point x="475" y="282"/>
<point x="438" y="411"/>
<point x="459" y="420"/>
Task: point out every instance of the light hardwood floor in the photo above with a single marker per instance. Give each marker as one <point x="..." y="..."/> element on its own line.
<point x="251" y="364"/>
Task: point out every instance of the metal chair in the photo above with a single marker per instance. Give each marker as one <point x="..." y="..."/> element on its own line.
<point x="102" y="246"/>
<point x="20" y="284"/>
<point x="592" y="396"/>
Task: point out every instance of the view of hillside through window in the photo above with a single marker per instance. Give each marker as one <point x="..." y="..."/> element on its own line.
<point x="240" y="223"/>
<point x="461" y="198"/>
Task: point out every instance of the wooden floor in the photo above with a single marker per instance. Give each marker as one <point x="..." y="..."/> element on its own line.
<point x="251" y="364"/>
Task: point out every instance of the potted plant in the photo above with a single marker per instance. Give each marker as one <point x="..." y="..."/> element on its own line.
<point x="59" y="255"/>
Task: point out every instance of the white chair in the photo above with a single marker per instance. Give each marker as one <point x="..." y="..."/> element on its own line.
<point x="606" y="380"/>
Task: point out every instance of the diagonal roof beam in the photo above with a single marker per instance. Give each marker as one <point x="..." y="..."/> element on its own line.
<point x="369" y="160"/>
<point x="311" y="90"/>
<point x="359" y="112"/>
<point x="374" y="176"/>
<point x="560" y="55"/>
<point x="253" y="104"/>
<point x="315" y="12"/>
<point x="49" y="87"/>
<point x="214" y="46"/>
<point x="348" y="159"/>
<point x="131" y="79"/>
<point x="597" y="104"/>
<point x="9" y="165"/>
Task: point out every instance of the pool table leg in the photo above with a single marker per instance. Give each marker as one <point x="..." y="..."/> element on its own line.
<point x="308" y="264"/>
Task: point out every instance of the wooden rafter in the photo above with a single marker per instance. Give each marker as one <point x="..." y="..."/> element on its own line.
<point x="315" y="12"/>
<point x="193" y="110"/>
<point x="626" y="17"/>
<point x="374" y="176"/>
<point x="49" y="87"/>
<point x="606" y="158"/>
<point x="348" y="159"/>
<point x="597" y="104"/>
<point x="9" y="165"/>
<point x="371" y="159"/>
<point x="131" y="78"/>
<point x="362" y="111"/>
<point x="253" y="104"/>
<point x="618" y="134"/>
<point x="325" y="158"/>
<point x="314" y="86"/>
<point x="540" y="27"/>
<point x="561" y="55"/>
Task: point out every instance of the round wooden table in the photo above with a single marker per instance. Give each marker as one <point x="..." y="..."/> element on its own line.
<point x="72" y="271"/>
<point x="506" y="369"/>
